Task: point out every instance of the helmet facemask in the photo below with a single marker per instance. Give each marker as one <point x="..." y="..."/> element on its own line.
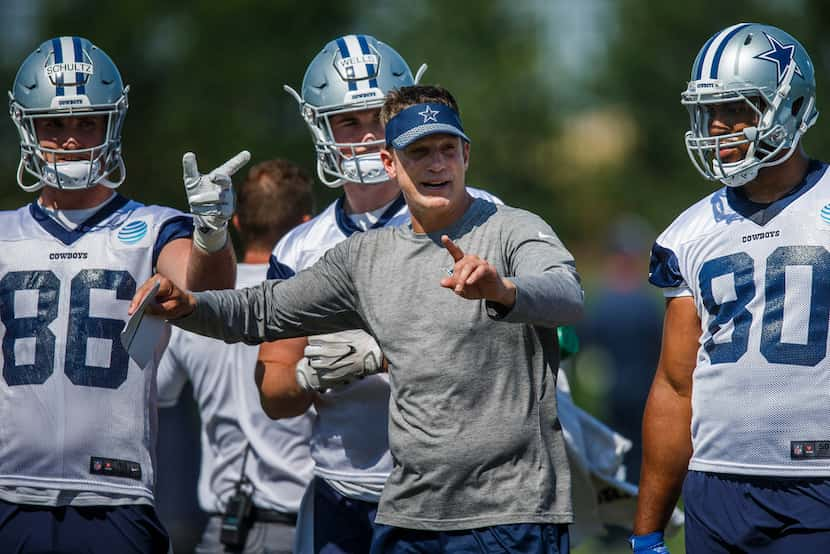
<point x="352" y="73"/>
<point x="339" y="162"/>
<point x="761" y="143"/>
<point x="68" y="77"/>
<point x="87" y="167"/>
<point x="783" y="102"/>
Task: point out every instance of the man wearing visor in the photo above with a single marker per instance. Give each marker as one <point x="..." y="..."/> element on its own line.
<point x="473" y="428"/>
<point x="737" y="414"/>
<point x="342" y="92"/>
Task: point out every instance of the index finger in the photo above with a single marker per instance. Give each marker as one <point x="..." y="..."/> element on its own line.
<point x="234" y="164"/>
<point x="451" y="247"/>
<point x="189" y="166"/>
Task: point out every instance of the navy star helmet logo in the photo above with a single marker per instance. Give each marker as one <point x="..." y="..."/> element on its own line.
<point x="781" y="55"/>
<point x="429" y="115"/>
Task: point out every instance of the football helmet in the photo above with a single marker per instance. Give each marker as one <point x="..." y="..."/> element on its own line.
<point x="769" y="70"/>
<point x="351" y="73"/>
<point x="68" y="77"/>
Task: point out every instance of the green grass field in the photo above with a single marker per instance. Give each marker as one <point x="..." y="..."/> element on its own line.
<point x="597" y="546"/>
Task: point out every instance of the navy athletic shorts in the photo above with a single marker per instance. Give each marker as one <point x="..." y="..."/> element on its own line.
<point x="131" y="529"/>
<point x="519" y="538"/>
<point x="764" y="515"/>
<point x="342" y="525"/>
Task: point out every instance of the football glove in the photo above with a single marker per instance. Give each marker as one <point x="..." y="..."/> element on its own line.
<point x="651" y="543"/>
<point x="211" y="199"/>
<point x="333" y="361"/>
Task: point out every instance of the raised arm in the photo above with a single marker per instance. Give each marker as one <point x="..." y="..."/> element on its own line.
<point x="192" y="268"/>
<point x="207" y="261"/>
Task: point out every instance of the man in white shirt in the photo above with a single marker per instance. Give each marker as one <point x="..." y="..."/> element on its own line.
<point x="247" y="459"/>
<point x="79" y="416"/>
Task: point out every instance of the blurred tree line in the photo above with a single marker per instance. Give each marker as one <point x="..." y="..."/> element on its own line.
<point x="576" y="147"/>
<point x="208" y="76"/>
<point x="649" y="57"/>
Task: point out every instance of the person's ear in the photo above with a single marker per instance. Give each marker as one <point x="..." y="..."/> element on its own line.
<point x="387" y="156"/>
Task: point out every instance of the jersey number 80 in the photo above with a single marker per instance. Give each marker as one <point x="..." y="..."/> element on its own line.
<point x="773" y="348"/>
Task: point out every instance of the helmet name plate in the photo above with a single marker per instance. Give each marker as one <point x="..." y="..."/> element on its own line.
<point x="55" y="70"/>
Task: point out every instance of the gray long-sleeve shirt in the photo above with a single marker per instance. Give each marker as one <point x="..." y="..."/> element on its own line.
<point x="473" y="427"/>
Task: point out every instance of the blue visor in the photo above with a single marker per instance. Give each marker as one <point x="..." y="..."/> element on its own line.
<point x="421" y="120"/>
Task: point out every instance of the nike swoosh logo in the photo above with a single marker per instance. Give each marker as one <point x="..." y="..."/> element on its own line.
<point x="351" y="351"/>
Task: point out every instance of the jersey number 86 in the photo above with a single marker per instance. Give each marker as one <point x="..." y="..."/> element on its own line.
<point x="80" y="327"/>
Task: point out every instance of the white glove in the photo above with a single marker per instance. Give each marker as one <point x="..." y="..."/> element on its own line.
<point x="333" y="361"/>
<point x="211" y="199"/>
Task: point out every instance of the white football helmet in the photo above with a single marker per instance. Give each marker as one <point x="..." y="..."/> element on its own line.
<point x="769" y="70"/>
<point x="351" y="73"/>
<point x="68" y="77"/>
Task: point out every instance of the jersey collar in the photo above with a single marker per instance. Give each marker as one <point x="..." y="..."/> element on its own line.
<point x="762" y="214"/>
<point x="67" y="236"/>
<point x="348" y="227"/>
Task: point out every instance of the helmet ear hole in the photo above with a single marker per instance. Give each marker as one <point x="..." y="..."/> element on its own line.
<point x="797" y="105"/>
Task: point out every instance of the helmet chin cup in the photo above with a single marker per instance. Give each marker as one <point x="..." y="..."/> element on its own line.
<point x="736" y="177"/>
<point x="366" y="169"/>
<point x="71" y="175"/>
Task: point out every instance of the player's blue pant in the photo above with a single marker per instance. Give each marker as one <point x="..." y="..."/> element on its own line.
<point x="769" y="515"/>
<point x="520" y="538"/>
<point x="342" y="525"/>
<point x="133" y="529"/>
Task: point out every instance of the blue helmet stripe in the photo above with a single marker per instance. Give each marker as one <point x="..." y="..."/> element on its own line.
<point x="79" y="57"/>
<point x="699" y="72"/>
<point x="714" y="73"/>
<point x="370" y="68"/>
<point x="344" y="53"/>
<point x="56" y="47"/>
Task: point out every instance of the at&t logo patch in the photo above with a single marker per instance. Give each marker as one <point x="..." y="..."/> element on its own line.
<point x="132" y="232"/>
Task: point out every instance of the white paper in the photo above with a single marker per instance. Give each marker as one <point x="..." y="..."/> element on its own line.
<point x="143" y="332"/>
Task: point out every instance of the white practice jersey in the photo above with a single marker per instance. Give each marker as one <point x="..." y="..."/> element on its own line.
<point x="349" y="442"/>
<point x="278" y="463"/>
<point x="760" y="278"/>
<point x="77" y="415"/>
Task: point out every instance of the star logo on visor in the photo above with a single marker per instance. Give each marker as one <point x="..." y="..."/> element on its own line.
<point x="429" y="115"/>
<point x="781" y="55"/>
